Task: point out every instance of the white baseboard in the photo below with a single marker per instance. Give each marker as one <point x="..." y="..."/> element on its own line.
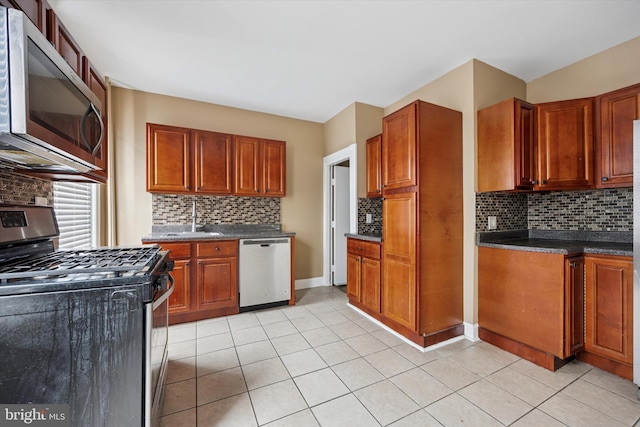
<point x="471" y="331"/>
<point x="405" y="339"/>
<point x="313" y="282"/>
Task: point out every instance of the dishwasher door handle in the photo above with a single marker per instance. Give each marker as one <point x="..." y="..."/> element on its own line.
<point x="264" y="242"/>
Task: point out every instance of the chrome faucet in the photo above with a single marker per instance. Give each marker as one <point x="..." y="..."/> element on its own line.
<point x="193" y="217"/>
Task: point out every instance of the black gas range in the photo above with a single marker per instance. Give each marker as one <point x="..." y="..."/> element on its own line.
<point x="85" y="328"/>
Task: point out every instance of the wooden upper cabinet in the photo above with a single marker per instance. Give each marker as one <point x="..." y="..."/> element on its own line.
<point x="212" y="162"/>
<point x="182" y="160"/>
<point x="273" y="168"/>
<point x="247" y="160"/>
<point x="399" y="149"/>
<point x="97" y="85"/>
<point x="260" y="167"/>
<point x="506" y="150"/>
<point x="615" y="113"/>
<point x="168" y="159"/>
<point x="58" y="35"/>
<point x="565" y="147"/>
<point x="36" y="11"/>
<point x="374" y="166"/>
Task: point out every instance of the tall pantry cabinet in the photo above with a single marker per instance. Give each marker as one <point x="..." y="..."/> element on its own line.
<point x="423" y="225"/>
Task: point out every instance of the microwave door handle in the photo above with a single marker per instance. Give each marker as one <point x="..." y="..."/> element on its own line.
<point x="92" y="109"/>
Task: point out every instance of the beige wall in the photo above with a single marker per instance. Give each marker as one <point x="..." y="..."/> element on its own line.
<point x="355" y="124"/>
<point x="609" y="70"/>
<point x="340" y="130"/>
<point x="301" y="208"/>
<point x="368" y="124"/>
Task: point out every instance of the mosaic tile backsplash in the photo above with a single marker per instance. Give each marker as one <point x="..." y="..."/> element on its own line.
<point x="594" y="210"/>
<point x="373" y="207"/>
<point x="177" y="209"/>
<point x="597" y="210"/>
<point x="23" y="190"/>
<point x="510" y="209"/>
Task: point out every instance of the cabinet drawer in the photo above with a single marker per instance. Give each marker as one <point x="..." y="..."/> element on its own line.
<point x="220" y="248"/>
<point x="178" y="250"/>
<point x="365" y="249"/>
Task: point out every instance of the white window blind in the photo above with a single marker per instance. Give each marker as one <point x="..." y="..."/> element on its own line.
<point x="73" y="204"/>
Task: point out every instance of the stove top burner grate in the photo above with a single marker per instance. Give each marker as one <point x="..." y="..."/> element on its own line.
<point x="114" y="260"/>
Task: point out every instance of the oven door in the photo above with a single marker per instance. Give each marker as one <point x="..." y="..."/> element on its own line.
<point x="157" y="335"/>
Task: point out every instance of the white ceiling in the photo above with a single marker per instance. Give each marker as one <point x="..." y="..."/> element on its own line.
<point x="310" y="59"/>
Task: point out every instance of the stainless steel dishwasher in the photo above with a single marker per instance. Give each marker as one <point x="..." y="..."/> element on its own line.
<point x="265" y="272"/>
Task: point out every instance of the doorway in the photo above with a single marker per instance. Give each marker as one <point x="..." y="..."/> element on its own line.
<point x="340" y="212"/>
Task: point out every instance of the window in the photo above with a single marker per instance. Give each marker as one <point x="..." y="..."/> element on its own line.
<point x="74" y="205"/>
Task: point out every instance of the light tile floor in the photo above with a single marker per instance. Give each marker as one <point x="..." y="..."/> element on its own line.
<point x="320" y="363"/>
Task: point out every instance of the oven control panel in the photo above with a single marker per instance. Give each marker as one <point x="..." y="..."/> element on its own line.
<point x="23" y="223"/>
<point x="12" y="219"/>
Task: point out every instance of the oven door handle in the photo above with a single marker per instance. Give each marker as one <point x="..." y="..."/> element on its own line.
<point x="165" y="294"/>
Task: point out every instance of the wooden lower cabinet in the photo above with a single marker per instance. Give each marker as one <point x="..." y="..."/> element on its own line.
<point x="363" y="274"/>
<point x="205" y="278"/>
<point x="574" y="294"/>
<point x="609" y="314"/>
<point x="180" y="298"/>
<point x="531" y="304"/>
<point x="217" y="275"/>
<point x="370" y="284"/>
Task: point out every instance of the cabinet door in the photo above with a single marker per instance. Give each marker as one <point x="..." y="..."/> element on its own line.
<point x="64" y="43"/>
<point x="213" y="163"/>
<point x="399" y="268"/>
<point x="97" y="85"/>
<point x="168" y="156"/>
<point x="609" y="308"/>
<point x="506" y="150"/>
<point x="34" y="9"/>
<point x="370" y="284"/>
<point x="399" y="148"/>
<point x="273" y="168"/>
<point x="246" y="154"/>
<point x="565" y="144"/>
<point x="354" y="262"/>
<point x="217" y="283"/>
<point x="374" y="166"/>
<point x="617" y="111"/>
<point x="180" y="298"/>
<point x="574" y="306"/>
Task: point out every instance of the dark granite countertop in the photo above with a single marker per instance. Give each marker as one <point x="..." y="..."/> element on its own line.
<point x="372" y="237"/>
<point x="562" y="242"/>
<point x="180" y="232"/>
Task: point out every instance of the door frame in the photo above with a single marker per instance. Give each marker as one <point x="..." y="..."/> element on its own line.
<point x="349" y="153"/>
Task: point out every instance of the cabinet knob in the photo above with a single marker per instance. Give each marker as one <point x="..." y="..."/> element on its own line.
<point x="198" y="187"/>
<point x="266" y="191"/>
<point x="217" y="248"/>
<point x="377" y="191"/>
<point x="257" y="190"/>
<point x="573" y="265"/>
<point x="604" y="179"/>
<point x="534" y="181"/>
<point x="187" y="187"/>
<point x="544" y="181"/>
<point x="359" y="248"/>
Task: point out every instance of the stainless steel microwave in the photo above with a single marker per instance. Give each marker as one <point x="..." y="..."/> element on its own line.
<point x="49" y="118"/>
